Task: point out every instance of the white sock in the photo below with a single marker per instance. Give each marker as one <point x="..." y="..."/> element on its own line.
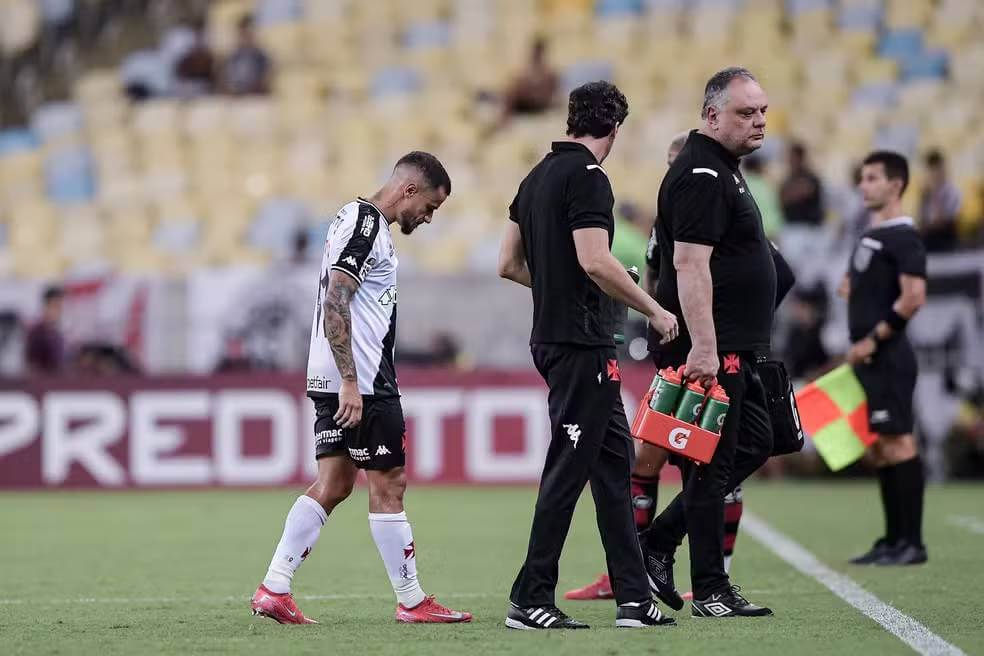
<point x="391" y="532"/>
<point x="727" y="564"/>
<point x="301" y="531"/>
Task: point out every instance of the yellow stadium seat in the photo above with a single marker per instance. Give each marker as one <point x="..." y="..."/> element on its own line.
<point x="876" y="69"/>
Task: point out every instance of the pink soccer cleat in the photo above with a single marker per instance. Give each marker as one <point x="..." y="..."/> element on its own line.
<point x="600" y="588"/>
<point x="430" y="612"/>
<point x="278" y="607"/>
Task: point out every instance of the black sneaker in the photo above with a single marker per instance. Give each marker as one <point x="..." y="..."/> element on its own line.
<point x="903" y="553"/>
<point x="727" y="604"/>
<point x="639" y="615"/>
<point x="540" y="617"/>
<point x="659" y="567"/>
<point x="879" y="549"/>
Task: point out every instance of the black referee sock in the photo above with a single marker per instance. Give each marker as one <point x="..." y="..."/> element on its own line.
<point x="890" y="505"/>
<point x="911" y="485"/>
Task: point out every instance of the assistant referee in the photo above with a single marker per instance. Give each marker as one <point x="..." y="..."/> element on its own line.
<point x="558" y="242"/>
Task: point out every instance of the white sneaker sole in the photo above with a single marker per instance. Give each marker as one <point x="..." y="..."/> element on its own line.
<point x="516" y="624"/>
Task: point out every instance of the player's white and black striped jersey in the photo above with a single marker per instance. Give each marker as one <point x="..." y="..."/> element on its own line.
<point x="360" y="245"/>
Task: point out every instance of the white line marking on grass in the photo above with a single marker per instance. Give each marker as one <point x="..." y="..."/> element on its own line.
<point x="903" y="627"/>
<point x="969" y="522"/>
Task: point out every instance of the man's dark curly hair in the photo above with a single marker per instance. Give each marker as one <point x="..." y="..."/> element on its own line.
<point x="595" y="109"/>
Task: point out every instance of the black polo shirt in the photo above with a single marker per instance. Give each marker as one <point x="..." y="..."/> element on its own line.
<point x="566" y="191"/>
<point x="704" y="200"/>
<point x="884" y="251"/>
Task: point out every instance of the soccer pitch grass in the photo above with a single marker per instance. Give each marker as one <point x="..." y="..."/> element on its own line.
<point x="171" y="573"/>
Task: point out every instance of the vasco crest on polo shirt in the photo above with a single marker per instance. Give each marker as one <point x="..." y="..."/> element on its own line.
<point x="731" y="363"/>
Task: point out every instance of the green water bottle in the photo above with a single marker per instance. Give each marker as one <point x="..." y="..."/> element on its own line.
<point x="666" y="391"/>
<point x="715" y="410"/>
<point x="690" y="403"/>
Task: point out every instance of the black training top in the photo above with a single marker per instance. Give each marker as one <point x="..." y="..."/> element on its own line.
<point x="704" y="200"/>
<point x="885" y="250"/>
<point x="566" y="191"/>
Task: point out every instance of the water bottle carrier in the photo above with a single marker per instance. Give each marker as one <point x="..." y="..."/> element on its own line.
<point x="672" y="434"/>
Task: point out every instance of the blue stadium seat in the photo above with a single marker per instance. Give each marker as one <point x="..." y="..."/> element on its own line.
<point x="931" y="64"/>
<point x="658" y="6"/>
<point x="794" y="7"/>
<point x="435" y="34"/>
<point x="69" y="177"/>
<point x="867" y="18"/>
<point x="879" y="94"/>
<point x="16" y="140"/>
<point x="56" y="119"/>
<point x="901" y="44"/>
<point x="618" y="8"/>
<point x="395" y="80"/>
<point x="269" y="12"/>
<point x="588" y="70"/>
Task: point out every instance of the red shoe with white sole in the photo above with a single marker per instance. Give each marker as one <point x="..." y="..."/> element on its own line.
<point x="600" y="588"/>
<point x="430" y="612"/>
<point x="278" y="607"/>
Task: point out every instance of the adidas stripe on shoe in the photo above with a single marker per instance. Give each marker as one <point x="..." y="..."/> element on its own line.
<point x="540" y="617"/>
<point x="640" y="615"/>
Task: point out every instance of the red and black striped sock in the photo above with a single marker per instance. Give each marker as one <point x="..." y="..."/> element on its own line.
<point x="733" y="507"/>
<point x="645" y="490"/>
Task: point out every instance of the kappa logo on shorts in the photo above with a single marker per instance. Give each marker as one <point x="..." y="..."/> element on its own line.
<point x="880" y="416"/>
<point x="731" y="363"/>
<point x="573" y="432"/>
<point x="381" y="450"/>
<point x="614" y="373"/>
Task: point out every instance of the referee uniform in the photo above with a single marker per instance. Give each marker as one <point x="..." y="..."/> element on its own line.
<point x="885" y="251"/>
<point x="574" y="351"/>
<point x="704" y="200"/>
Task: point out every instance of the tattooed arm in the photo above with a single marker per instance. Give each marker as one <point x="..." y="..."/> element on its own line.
<point x="338" y="330"/>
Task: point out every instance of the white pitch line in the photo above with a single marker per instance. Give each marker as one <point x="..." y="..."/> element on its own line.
<point x="969" y="522"/>
<point x="903" y="627"/>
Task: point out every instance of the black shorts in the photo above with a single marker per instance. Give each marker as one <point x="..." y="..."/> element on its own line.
<point x="378" y="442"/>
<point x="889" y="381"/>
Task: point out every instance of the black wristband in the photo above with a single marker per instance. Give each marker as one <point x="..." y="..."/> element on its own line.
<point x="896" y="321"/>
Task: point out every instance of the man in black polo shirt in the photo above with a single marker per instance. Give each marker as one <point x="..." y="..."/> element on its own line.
<point x="718" y="273"/>
<point x="559" y="244"/>
<point x="885" y="286"/>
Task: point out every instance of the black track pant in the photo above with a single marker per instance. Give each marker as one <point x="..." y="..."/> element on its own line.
<point x="589" y="442"/>
<point x="745" y="445"/>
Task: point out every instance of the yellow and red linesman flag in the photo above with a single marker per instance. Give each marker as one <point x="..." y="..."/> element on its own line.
<point x="833" y="410"/>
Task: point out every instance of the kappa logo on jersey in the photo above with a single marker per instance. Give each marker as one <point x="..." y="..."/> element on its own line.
<point x="614" y="373"/>
<point x="350" y="261"/>
<point x="383" y="451"/>
<point x="573" y="432"/>
<point x="367" y="224"/>
<point x="731" y="363"/>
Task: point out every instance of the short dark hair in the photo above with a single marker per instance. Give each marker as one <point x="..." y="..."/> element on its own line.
<point x="717" y="86"/>
<point x="51" y="293"/>
<point x="594" y="109"/>
<point x="433" y="171"/>
<point x="246" y="22"/>
<point x="934" y="159"/>
<point x="895" y="165"/>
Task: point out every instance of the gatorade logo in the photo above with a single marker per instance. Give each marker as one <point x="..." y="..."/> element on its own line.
<point x="679" y="437"/>
<point x="720" y="420"/>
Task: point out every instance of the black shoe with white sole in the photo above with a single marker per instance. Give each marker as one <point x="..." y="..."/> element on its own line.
<point x="659" y="567"/>
<point x="728" y="603"/>
<point x="641" y="614"/>
<point x="540" y="617"/>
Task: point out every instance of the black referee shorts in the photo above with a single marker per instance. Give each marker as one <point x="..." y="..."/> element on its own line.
<point x="889" y="382"/>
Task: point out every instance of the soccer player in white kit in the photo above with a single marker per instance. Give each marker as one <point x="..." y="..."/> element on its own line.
<point x="352" y="381"/>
